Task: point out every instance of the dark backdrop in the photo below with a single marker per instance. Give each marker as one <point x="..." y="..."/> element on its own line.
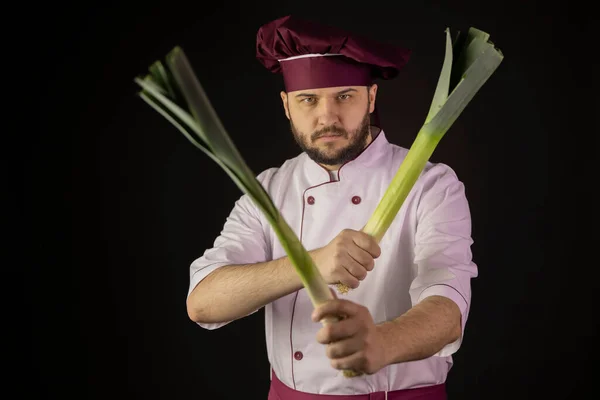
<point x="118" y="203"/>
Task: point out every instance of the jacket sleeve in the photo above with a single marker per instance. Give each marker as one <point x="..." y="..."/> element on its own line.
<point x="443" y="245"/>
<point x="242" y="240"/>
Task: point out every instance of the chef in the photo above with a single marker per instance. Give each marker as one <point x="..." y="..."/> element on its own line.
<point x="406" y="309"/>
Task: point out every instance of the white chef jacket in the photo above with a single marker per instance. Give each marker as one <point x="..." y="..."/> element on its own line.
<point x="426" y="251"/>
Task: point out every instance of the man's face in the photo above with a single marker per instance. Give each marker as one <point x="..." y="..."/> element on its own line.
<point x="332" y="124"/>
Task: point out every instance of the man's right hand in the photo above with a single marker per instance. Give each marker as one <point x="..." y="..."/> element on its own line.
<point x="347" y="258"/>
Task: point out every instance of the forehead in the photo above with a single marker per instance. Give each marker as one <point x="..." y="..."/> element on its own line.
<point x="323" y="92"/>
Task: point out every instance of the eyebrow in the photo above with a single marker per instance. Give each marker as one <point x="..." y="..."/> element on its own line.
<point x="314" y="95"/>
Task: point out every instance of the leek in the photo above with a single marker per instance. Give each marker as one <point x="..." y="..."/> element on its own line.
<point x="475" y="63"/>
<point x="176" y="94"/>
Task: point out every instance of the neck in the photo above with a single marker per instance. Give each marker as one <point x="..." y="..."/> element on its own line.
<point x="374" y="131"/>
<point x="330" y="167"/>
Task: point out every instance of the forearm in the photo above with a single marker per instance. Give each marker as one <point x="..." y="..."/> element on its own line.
<point x="234" y="291"/>
<point x="422" y="331"/>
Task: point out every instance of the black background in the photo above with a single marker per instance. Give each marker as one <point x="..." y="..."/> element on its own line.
<point x="117" y="203"/>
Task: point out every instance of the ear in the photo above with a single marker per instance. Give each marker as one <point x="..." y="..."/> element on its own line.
<point x="372" y="97"/>
<point x="284" y="99"/>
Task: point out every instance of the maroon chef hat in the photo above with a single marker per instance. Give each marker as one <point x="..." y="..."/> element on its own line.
<point x="312" y="56"/>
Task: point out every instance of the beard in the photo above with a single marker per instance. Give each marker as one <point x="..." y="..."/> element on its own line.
<point x="327" y="156"/>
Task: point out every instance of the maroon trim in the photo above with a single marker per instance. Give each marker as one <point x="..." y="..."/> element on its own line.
<point x="291" y="341"/>
<point x="296" y="297"/>
<point x="451" y="287"/>
<point x="358" y="155"/>
<point x="301" y="237"/>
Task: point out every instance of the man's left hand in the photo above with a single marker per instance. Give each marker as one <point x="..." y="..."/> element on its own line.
<point x="353" y="343"/>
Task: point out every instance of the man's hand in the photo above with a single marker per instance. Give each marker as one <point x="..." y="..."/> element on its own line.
<point x="354" y="343"/>
<point x="347" y="258"/>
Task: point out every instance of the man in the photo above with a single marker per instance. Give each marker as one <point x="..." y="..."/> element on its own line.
<point x="409" y="297"/>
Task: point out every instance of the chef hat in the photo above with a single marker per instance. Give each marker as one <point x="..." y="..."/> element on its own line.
<point x="312" y="56"/>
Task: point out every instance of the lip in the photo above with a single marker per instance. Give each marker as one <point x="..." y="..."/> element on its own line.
<point x="329" y="138"/>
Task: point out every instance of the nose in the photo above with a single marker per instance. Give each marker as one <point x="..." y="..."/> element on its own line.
<point x="327" y="112"/>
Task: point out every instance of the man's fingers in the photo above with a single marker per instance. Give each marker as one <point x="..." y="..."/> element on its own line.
<point x="363" y="259"/>
<point x="337" y="331"/>
<point x="353" y="267"/>
<point x="335" y="308"/>
<point x="367" y="243"/>
<point x="348" y="279"/>
<point x="344" y="347"/>
<point x="354" y="361"/>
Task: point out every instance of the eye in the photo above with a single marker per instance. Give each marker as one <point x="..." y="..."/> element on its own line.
<point x="308" y="100"/>
<point x="344" y="96"/>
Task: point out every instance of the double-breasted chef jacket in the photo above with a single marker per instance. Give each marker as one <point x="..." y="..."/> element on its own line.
<point x="426" y="251"/>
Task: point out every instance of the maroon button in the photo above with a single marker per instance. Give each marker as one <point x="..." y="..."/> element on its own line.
<point x="356" y="199"/>
<point x="310" y="200"/>
<point x="298" y="355"/>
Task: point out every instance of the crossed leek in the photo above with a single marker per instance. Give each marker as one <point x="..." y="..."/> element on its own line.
<point x="175" y="93"/>
<point x="476" y="61"/>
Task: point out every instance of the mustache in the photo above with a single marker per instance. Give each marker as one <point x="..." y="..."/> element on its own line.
<point x="329" y="131"/>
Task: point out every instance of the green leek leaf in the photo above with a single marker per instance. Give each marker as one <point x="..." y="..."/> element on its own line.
<point x="443" y="86"/>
